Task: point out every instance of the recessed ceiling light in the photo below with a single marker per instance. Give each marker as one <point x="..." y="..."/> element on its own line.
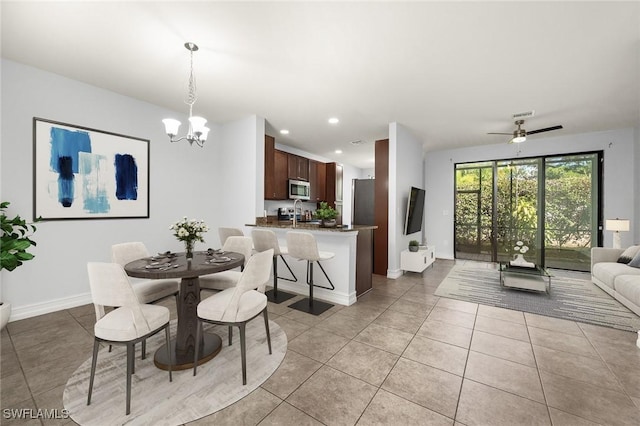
<point x="338" y="151"/>
<point x="284" y="132"/>
<point x="333" y="120"/>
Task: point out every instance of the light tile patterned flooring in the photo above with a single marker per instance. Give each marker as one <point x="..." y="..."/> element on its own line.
<point x="399" y="356"/>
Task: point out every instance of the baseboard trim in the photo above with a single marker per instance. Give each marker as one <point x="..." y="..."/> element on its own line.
<point x="394" y="273"/>
<point x="28" y="311"/>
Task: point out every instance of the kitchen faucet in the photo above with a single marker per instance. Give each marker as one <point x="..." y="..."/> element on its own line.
<point x="295" y="214"/>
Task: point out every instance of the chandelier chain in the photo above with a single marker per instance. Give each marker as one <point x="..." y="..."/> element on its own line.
<point x="191" y="95"/>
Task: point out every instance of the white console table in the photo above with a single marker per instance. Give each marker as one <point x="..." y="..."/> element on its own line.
<point x="417" y="261"/>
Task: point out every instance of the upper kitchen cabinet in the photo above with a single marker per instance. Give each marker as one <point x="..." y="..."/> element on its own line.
<point x="298" y="167"/>
<point x="318" y="181"/>
<point x="275" y="171"/>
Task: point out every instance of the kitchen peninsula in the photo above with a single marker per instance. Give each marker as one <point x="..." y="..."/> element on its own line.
<point x="350" y="270"/>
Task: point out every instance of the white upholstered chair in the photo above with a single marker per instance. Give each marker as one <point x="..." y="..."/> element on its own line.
<point x="224" y="233"/>
<point x="227" y="279"/>
<point x="265" y="239"/>
<point x="148" y="291"/>
<point x="238" y="305"/>
<point x="303" y="246"/>
<point x="130" y="323"/>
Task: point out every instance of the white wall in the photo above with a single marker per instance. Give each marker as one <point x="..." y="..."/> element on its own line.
<point x="406" y="169"/>
<point x="620" y="190"/>
<point x="184" y="180"/>
<point x="239" y="171"/>
<point x="636" y="222"/>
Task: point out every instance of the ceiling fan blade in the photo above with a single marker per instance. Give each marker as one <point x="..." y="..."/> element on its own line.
<point x="500" y="133"/>
<point x="546" y="129"/>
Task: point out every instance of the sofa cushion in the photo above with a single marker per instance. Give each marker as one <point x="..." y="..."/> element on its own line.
<point x="628" y="286"/>
<point x="628" y="254"/>
<point x="608" y="271"/>
<point x="635" y="262"/>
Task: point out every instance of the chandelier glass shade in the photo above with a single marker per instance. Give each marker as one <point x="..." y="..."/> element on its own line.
<point x="198" y="130"/>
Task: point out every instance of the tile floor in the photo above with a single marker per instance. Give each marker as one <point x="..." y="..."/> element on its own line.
<point x="399" y="356"/>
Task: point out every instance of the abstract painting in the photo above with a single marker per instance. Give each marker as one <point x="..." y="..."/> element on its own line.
<point x="83" y="173"/>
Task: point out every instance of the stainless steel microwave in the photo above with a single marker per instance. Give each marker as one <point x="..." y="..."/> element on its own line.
<point x="299" y="189"/>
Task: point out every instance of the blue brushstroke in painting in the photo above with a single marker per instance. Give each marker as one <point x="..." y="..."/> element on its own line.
<point x="126" y="177"/>
<point x="65" y="146"/>
<point x="94" y="188"/>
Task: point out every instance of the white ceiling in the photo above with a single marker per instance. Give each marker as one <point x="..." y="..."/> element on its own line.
<point x="450" y="71"/>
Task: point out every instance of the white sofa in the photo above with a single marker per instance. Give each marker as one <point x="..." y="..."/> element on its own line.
<point x="618" y="279"/>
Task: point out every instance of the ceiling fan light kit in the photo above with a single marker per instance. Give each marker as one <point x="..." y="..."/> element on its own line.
<point x="520" y="134"/>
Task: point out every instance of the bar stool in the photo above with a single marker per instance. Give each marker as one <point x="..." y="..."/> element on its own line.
<point x="303" y="246"/>
<point x="263" y="240"/>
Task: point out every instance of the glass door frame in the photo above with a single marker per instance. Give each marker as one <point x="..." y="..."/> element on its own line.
<point x="541" y="159"/>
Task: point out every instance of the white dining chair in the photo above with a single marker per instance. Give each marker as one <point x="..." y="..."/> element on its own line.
<point x="224" y="233"/>
<point x="130" y="323"/>
<point x="238" y="305"/>
<point x="148" y="291"/>
<point x="227" y="279"/>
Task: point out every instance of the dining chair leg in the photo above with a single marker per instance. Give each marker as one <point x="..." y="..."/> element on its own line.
<point x="130" y="357"/>
<point x="168" y="335"/>
<point x="196" y="349"/>
<point x="266" y="326"/>
<point x="144" y="349"/>
<point x="94" y="359"/>
<point x="230" y="335"/>
<point x="243" y="352"/>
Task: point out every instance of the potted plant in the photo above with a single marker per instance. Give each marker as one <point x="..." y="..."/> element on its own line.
<point x="326" y="214"/>
<point x="15" y="241"/>
<point x="414" y="245"/>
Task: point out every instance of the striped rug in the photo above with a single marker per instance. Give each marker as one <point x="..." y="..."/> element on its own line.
<point x="571" y="298"/>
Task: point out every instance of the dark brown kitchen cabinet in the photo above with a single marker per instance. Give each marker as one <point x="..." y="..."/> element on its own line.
<point x="317" y="181"/>
<point x="298" y="167"/>
<point x="275" y="171"/>
<point x="330" y="183"/>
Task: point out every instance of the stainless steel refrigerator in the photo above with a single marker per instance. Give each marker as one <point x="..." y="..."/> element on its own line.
<point x="363" y="191"/>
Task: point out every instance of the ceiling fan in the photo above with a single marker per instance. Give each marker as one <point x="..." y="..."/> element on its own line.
<point x="520" y="134"/>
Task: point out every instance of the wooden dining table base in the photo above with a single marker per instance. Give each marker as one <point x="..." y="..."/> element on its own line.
<point x="188" y="270"/>
<point x="183" y="346"/>
<point x="212" y="346"/>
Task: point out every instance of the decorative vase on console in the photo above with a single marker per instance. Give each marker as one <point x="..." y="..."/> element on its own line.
<point x="189" y="231"/>
<point x="519" y="259"/>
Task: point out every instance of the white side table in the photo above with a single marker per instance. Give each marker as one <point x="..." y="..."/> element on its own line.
<point x="417" y="261"/>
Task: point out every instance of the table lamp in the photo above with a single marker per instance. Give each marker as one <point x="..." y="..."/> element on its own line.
<point x="616" y="225"/>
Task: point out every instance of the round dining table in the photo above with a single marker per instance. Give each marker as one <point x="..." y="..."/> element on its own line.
<point x="178" y="266"/>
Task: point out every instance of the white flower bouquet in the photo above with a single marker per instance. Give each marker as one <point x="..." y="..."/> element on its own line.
<point x="189" y="231"/>
<point x="520" y="248"/>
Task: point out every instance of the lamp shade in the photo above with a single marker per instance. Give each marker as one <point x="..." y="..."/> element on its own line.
<point x="171" y="126"/>
<point x="617" y="225"/>
<point x="197" y="124"/>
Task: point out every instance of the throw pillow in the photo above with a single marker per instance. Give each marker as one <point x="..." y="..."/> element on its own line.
<point x="628" y="254"/>
<point x="635" y="262"/>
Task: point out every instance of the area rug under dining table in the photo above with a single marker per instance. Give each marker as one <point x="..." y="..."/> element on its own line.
<point x="155" y="400"/>
<point x="571" y="298"/>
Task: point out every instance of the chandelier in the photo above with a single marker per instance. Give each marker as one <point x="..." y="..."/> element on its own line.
<point x="197" y="130"/>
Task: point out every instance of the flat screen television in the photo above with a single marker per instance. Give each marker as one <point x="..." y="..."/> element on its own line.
<point x="415" y="211"/>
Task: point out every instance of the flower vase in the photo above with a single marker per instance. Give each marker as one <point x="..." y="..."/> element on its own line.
<point x="189" y="249"/>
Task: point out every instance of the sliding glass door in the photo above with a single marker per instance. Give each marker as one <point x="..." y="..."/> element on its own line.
<point x="550" y="205"/>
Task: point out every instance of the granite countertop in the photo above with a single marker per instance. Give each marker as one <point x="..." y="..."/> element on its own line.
<point x="314" y="226"/>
